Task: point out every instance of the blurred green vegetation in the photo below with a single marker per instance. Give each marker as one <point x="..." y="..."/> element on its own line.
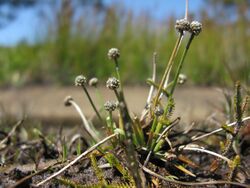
<point x="218" y="56"/>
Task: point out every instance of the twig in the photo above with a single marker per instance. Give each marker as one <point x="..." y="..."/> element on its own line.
<point x="11" y="133"/>
<point x="145" y="169"/>
<point x="195" y="138"/>
<point x="77" y="159"/>
<point x="34" y="174"/>
<point x="205" y="151"/>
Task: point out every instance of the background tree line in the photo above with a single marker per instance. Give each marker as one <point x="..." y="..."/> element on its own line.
<point x="80" y="32"/>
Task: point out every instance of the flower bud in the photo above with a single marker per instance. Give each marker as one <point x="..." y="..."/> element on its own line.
<point x="182" y="25"/>
<point x="93" y="82"/>
<point x="67" y="101"/>
<point x="113" y="53"/>
<point x="110" y="106"/>
<point x="80" y="80"/>
<point x="113" y="83"/>
<point x="195" y="27"/>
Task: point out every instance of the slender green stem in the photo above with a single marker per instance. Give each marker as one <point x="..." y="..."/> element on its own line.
<point x="181" y="64"/>
<point x="154" y="125"/>
<point x="111" y="121"/>
<point x="166" y="85"/>
<point x="170" y="62"/>
<point x="157" y="128"/>
<point x="118" y="74"/>
<point x="150" y="141"/>
<point x="117" y="95"/>
<point x="159" y="125"/>
<point x="92" y="103"/>
<point x="127" y="127"/>
<point x="121" y="94"/>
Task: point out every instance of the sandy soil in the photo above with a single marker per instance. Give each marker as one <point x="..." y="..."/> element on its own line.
<point x="192" y="103"/>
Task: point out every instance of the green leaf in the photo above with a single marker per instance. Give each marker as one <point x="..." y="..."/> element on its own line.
<point x="159" y="145"/>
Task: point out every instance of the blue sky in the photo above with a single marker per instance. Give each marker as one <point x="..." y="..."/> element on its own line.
<point x="27" y="25"/>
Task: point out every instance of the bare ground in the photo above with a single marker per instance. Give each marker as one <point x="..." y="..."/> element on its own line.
<point x="46" y="103"/>
<point x="192" y="104"/>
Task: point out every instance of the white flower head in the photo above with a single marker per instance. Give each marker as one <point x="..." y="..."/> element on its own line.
<point x="195" y="27"/>
<point x="113" y="53"/>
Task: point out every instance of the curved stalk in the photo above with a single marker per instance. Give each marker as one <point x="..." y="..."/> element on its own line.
<point x="86" y="125"/>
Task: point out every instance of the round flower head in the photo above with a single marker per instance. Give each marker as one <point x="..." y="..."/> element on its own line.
<point x="182" y="25"/>
<point x="80" y="80"/>
<point x="182" y="78"/>
<point x="195" y="27"/>
<point x="110" y="106"/>
<point x="93" y="82"/>
<point x="67" y="101"/>
<point x="158" y="111"/>
<point x="113" y="83"/>
<point x="113" y="53"/>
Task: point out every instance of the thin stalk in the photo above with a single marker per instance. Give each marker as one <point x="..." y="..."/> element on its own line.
<point x="117" y="95"/>
<point x="92" y="103"/>
<point x="181" y="63"/>
<point x="195" y="138"/>
<point x="170" y="62"/>
<point x="155" y="121"/>
<point x="147" y="158"/>
<point x="167" y="79"/>
<point x="111" y="121"/>
<point x="152" y="132"/>
<point x="166" y="85"/>
<point x="85" y="121"/>
<point x="119" y="76"/>
<point x="130" y="148"/>
<point x="186" y="11"/>
<point x="126" y="125"/>
<point x="206" y="151"/>
<point x="159" y="125"/>
<point x="150" y="94"/>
